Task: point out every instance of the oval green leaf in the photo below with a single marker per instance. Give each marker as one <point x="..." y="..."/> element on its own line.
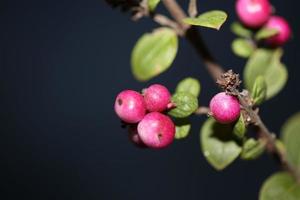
<point x="218" y="144"/>
<point x="291" y="139"/>
<point x="259" y="91"/>
<point x="190" y="85"/>
<point x="265" y="33"/>
<point x="239" y="128"/>
<point x="211" y="19"/>
<point x="266" y="63"/>
<point x="280" y="186"/>
<point x="252" y="149"/>
<point x="242" y="47"/>
<point x="185" y="103"/>
<point x="183" y="127"/>
<point x="154" y="53"/>
<point x="240" y="30"/>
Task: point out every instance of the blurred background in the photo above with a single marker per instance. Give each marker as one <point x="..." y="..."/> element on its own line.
<point x="62" y="62"/>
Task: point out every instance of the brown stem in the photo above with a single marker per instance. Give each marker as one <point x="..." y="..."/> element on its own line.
<point x="202" y="111"/>
<point x="177" y="12"/>
<point x="193" y="8"/>
<point x="193" y="36"/>
<point x="267" y="135"/>
<point x="165" y="21"/>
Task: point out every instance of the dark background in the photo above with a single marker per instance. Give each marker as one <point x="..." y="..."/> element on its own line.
<point x="62" y="63"/>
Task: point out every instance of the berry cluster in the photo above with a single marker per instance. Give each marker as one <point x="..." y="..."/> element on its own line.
<point x="225" y="108"/>
<point x="148" y="126"/>
<point x="258" y="13"/>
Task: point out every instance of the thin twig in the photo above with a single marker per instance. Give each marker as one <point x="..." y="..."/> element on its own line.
<point x="193" y="36"/>
<point x="193" y="8"/>
<point x="268" y="135"/>
<point x="143" y="11"/>
<point x="176" y="12"/>
<point x="202" y="111"/>
<point x="165" y="21"/>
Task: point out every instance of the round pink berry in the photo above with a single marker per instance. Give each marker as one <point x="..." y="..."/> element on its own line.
<point x="225" y="108"/>
<point x="156" y="130"/>
<point x="283" y="28"/>
<point x="157" y="97"/>
<point x="130" y="106"/>
<point x="134" y="136"/>
<point x="253" y="13"/>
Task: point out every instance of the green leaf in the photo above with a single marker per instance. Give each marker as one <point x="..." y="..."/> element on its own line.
<point x="240" y="30"/>
<point x="242" y="47"/>
<point x="280" y="186"/>
<point x="252" y="149"/>
<point x="152" y="4"/>
<point x="266" y="63"/>
<point x="265" y="33"/>
<point x="259" y="91"/>
<point x="291" y="139"/>
<point x="183" y="127"/>
<point x="185" y="103"/>
<point x="218" y="144"/>
<point x="239" y="128"/>
<point x="211" y="19"/>
<point x="154" y="53"/>
<point x="190" y="85"/>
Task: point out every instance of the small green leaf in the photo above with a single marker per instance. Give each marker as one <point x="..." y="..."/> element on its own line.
<point x="154" y="53"/>
<point x="152" y="4"/>
<point x="280" y="186"/>
<point x="252" y="149"/>
<point x="239" y="128"/>
<point x="266" y="63"/>
<point x="291" y="139"/>
<point x="259" y="91"/>
<point x="265" y="33"/>
<point x="211" y="19"/>
<point x="185" y="103"/>
<point x="242" y="47"/>
<point x="190" y="85"/>
<point x="183" y="127"/>
<point x="240" y="30"/>
<point x="218" y="144"/>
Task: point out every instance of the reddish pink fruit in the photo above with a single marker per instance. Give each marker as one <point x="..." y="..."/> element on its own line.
<point x="225" y="108"/>
<point x="134" y="137"/>
<point x="283" y="28"/>
<point x="253" y="13"/>
<point x="130" y="106"/>
<point x="156" y="130"/>
<point x="157" y="97"/>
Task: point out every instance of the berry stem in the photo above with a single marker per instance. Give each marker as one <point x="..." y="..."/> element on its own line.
<point x="202" y="111"/>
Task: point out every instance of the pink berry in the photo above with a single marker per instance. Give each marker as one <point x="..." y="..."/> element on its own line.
<point x="130" y="106"/>
<point x="284" y="31"/>
<point x="225" y="108"/>
<point x="157" y="97"/>
<point x="134" y="136"/>
<point x="156" y="130"/>
<point x="253" y="13"/>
